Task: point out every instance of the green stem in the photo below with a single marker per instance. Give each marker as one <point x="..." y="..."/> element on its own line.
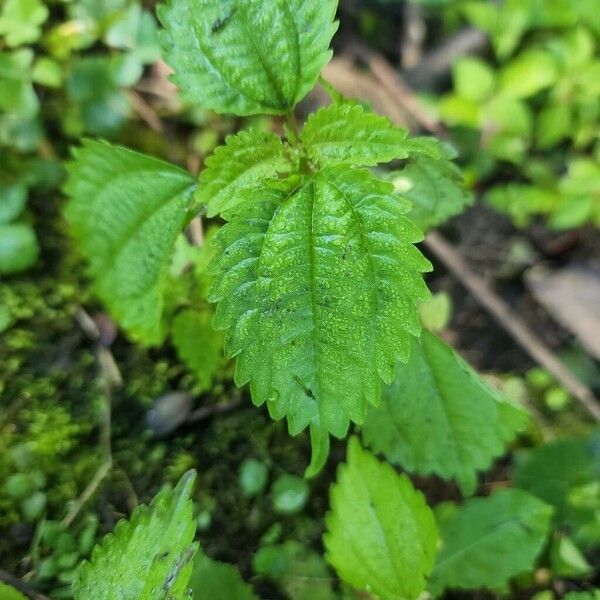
<point x="290" y="119"/>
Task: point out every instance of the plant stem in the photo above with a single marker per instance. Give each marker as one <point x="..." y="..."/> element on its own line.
<point x="292" y="124"/>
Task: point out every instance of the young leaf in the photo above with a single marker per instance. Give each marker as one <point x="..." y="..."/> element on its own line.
<point x="213" y="580"/>
<point x="148" y="557"/>
<point x="318" y="289"/>
<point x="347" y="134"/>
<point x="436" y="189"/>
<point x="244" y="160"/>
<point x="126" y="211"/>
<point x="198" y="345"/>
<point x="487" y="541"/>
<point x="241" y="57"/>
<point x="439" y="416"/>
<point x="381" y="536"/>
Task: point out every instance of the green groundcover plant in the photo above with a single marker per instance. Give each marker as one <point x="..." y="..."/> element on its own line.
<point x="532" y="108"/>
<point x="310" y="279"/>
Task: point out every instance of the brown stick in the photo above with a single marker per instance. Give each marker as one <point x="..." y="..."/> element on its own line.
<point x="519" y="330"/>
<point x="391" y="81"/>
<point x="21" y="586"/>
<point x="145" y="111"/>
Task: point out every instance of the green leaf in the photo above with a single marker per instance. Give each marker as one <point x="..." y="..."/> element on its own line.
<point x="439" y="416"/>
<point x="565" y="473"/>
<point x="436" y="313"/>
<point x="253" y="477"/>
<point x="99" y="105"/>
<point x="381" y="536"/>
<point x="521" y="201"/>
<point x="198" y="345"/>
<point x="12" y="200"/>
<point x="299" y="572"/>
<point x="148" y="557"/>
<point x="318" y="289"/>
<point x="20" y="21"/>
<point x="213" y="580"/>
<point x="126" y="211"/>
<point x="347" y="134"/>
<point x="9" y="593"/>
<point x="567" y="560"/>
<point x="19" y="249"/>
<point x="241" y="57"/>
<point x="554" y="123"/>
<point x="289" y="494"/>
<point x="590" y="595"/>
<point x="473" y="79"/>
<point x="528" y="74"/>
<point x="435" y="187"/>
<point x="488" y="541"/>
<point x="245" y="160"/>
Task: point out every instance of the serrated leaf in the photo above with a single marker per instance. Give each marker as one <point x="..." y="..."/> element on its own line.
<point x="247" y="57"/>
<point x="198" y="345"/>
<point x="347" y="134"/>
<point x="148" y="557"/>
<point x="246" y="159"/>
<point x="214" y="580"/>
<point x="488" y="541"/>
<point x="435" y="187"/>
<point x="318" y="289"/>
<point x="439" y="416"/>
<point x="381" y="536"/>
<point x="126" y="211"/>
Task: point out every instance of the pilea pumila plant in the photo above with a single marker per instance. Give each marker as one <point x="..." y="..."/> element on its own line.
<point x="317" y="284"/>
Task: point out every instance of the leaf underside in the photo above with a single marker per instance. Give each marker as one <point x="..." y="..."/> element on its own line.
<point x="381" y="535"/>
<point x="148" y="557"/>
<point x="126" y="211"/>
<point x="487" y="541"/>
<point x="247" y="56"/>
<point x="318" y="288"/>
<point x="439" y="416"/>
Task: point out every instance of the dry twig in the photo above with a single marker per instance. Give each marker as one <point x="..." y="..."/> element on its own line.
<point x="511" y="322"/>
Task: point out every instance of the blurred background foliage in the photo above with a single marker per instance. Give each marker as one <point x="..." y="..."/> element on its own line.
<point x="520" y="106"/>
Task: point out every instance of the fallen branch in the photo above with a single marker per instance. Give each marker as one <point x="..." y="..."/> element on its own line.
<point x="391" y="81"/>
<point x="512" y="323"/>
<point x="389" y="78"/>
<point x="435" y="66"/>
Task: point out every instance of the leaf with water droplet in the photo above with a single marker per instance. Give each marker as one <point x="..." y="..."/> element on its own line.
<point x="318" y="288"/>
